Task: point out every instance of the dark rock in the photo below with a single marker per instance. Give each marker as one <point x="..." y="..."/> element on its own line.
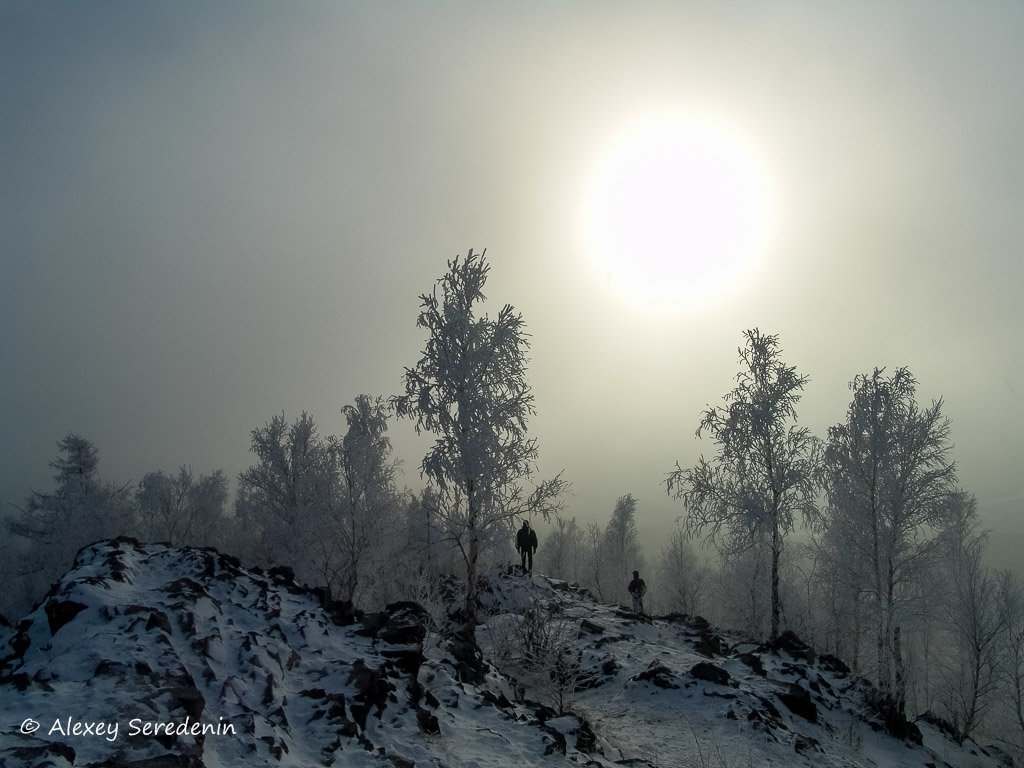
<point x="590" y="627"/>
<point x="282" y="576"/>
<point x="499" y="701"/>
<point x="108" y="668"/>
<point x="894" y="720"/>
<point x="20" y="681"/>
<point x="798" y="701"/>
<point x="159" y="620"/>
<point x="797" y="670"/>
<point x="60" y="612"/>
<point x="805" y="744"/>
<point x="710" y="644"/>
<point x="42" y="756"/>
<point x="341" y="612"/>
<point x="427" y="721"/>
<point x="753" y="661"/>
<point x="793" y="645"/>
<point x="834" y="664"/>
<point x="275" y="746"/>
<point x="187" y="698"/>
<point x="21" y="640"/>
<point x="710" y="673"/>
<point x="657" y="674"/>
<point x="372" y="689"/>
<point x="700" y="623"/>
<point x="557" y="741"/>
<point x="185" y="588"/>
<point x="544" y="713"/>
<point x="586" y="741"/>
<point x="229" y="562"/>
<point x="469" y="661"/>
<point x="268" y="690"/>
<point x="406" y="624"/>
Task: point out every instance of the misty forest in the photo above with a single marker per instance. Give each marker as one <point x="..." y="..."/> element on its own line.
<point x="860" y="541"/>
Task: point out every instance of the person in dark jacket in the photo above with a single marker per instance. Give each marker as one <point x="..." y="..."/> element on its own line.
<point x="637" y="590"/>
<point x="526" y="543"/>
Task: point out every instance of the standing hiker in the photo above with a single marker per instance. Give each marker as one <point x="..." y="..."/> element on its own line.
<point x="637" y="590"/>
<point x="526" y="543"/>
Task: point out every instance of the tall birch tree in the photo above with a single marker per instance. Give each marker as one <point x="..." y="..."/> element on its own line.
<point x="890" y="485"/>
<point x="762" y="477"/>
<point x="469" y="389"/>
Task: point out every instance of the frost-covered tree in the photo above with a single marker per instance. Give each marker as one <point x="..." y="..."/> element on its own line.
<point x="181" y="509"/>
<point x="762" y="477"/>
<point x="976" y="619"/>
<point x="284" y="498"/>
<point x="469" y="389"/>
<point x="425" y="550"/>
<point x="562" y="552"/>
<point x="843" y="592"/>
<point x="365" y="506"/>
<point x="889" y="482"/>
<point x="1013" y="668"/>
<point x="82" y="508"/>
<point x="596" y="558"/>
<point x="742" y="598"/>
<point x="622" y="546"/>
<point x="683" y="579"/>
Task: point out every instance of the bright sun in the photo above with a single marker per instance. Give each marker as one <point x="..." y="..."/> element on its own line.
<point x="678" y="212"/>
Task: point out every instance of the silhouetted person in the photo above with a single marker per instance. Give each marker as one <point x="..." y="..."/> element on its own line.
<point x="637" y="590"/>
<point x="526" y="543"/>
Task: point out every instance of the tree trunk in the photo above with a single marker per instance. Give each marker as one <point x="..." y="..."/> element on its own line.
<point x="471" y="562"/>
<point x="776" y="605"/>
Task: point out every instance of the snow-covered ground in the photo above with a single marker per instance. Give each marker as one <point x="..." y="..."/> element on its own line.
<point x="245" y="668"/>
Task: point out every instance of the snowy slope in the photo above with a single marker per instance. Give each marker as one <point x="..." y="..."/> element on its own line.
<point x="146" y="634"/>
<point x="674" y="692"/>
<point x="140" y="639"/>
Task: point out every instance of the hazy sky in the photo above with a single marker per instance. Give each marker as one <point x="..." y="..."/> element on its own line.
<point x="213" y="212"/>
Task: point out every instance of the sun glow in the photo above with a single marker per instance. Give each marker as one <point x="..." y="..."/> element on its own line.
<point x="677" y="213"/>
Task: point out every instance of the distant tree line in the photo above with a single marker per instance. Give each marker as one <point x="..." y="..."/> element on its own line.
<point x="860" y="540"/>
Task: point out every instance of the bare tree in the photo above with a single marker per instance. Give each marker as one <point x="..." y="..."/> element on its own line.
<point x="562" y="553"/>
<point x="1013" y="671"/>
<point x="284" y="498"/>
<point x="596" y="559"/>
<point x="844" y="576"/>
<point x="366" y="503"/>
<point x="622" y="546"/>
<point x="977" y="616"/>
<point x="889" y="480"/>
<point x="547" y="658"/>
<point x="181" y="509"/>
<point x="683" y="579"/>
<point x="763" y="474"/>
<point x="469" y="389"/>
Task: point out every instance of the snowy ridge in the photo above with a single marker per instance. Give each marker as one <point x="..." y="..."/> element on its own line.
<point x="673" y="691"/>
<point x="147" y="655"/>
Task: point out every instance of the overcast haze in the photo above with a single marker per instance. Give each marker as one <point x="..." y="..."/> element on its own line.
<point x="214" y="212"/>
